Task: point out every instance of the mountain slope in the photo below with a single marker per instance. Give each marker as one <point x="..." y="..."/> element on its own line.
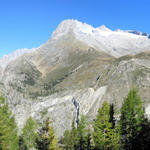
<point x="78" y="62"/>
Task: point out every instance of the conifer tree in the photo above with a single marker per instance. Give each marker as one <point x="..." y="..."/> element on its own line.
<point x="73" y="135"/>
<point x="81" y="135"/>
<point x="47" y="139"/>
<point x="68" y="141"/>
<point x="144" y="136"/>
<point x="8" y="128"/>
<point x="79" y="138"/>
<point x="112" y="119"/>
<point x="105" y="137"/>
<point x="52" y="138"/>
<point x="132" y="115"/>
<point x="43" y="141"/>
<point x="89" y="140"/>
<point x="29" y="134"/>
<point x="115" y="138"/>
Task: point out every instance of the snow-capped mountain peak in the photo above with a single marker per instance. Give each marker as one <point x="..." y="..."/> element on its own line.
<point x="117" y="43"/>
<point x="104" y="28"/>
<point x="71" y="25"/>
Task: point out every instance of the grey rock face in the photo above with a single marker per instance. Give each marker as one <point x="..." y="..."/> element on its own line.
<point x="44" y="81"/>
<point x="139" y="33"/>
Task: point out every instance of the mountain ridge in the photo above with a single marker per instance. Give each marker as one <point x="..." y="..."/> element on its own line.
<point x="80" y="28"/>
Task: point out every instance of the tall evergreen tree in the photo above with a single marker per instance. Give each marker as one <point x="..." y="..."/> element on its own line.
<point x="73" y="135"/>
<point x="52" y="138"/>
<point x="8" y="128"/>
<point x="29" y="134"/>
<point x="132" y="115"/>
<point x="112" y="118"/>
<point x="115" y="138"/>
<point x="89" y="140"/>
<point x="47" y="137"/>
<point x="78" y="138"/>
<point x="81" y="135"/>
<point x="66" y="141"/>
<point x="43" y="141"/>
<point x="105" y="137"/>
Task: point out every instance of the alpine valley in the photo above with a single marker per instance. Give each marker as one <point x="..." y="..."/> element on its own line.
<point x="81" y="65"/>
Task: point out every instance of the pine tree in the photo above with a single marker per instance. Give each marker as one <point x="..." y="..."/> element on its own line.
<point x="81" y="135"/>
<point x="52" y="138"/>
<point x="69" y="137"/>
<point x="112" y="119"/>
<point x="68" y="141"/>
<point x="78" y="138"/>
<point x="29" y="134"/>
<point x="43" y="141"/>
<point x="115" y="138"/>
<point x="89" y="140"/>
<point x="8" y="129"/>
<point x="105" y="137"/>
<point x="73" y="135"/>
<point x="144" y="136"/>
<point x="132" y="115"/>
<point x="47" y="137"/>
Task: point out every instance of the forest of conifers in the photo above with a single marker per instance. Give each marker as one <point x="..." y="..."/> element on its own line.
<point x="129" y="131"/>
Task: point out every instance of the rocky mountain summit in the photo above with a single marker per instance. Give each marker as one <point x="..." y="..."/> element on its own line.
<point x="79" y="64"/>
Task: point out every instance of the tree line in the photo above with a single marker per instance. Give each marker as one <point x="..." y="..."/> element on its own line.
<point x="31" y="137"/>
<point x="129" y="131"/>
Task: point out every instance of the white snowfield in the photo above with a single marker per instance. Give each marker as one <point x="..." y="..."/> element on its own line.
<point x="116" y="43"/>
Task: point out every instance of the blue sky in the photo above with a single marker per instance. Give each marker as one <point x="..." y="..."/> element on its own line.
<point x="29" y="23"/>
